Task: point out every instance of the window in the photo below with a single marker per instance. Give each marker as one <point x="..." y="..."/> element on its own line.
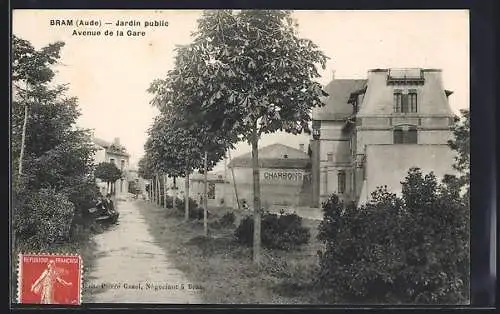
<point x="122" y="165"/>
<point x="285" y="156"/>
<point x="112" y="160"/>
<point x="412" y="97"/>
<point x="398" y="101"/>
<point x="405" y="103"/>
<point x="341" y="181"/>
<point x="405" y="135"/>
<point x="329" y="156"/>
<point x="211" y="191"/>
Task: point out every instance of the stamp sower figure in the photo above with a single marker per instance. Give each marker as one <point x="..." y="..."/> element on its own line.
<point x="45" y="284"/>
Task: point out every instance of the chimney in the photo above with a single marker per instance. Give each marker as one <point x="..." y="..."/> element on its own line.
<point x="301" y="147"/>
<point x="116" y="141"/>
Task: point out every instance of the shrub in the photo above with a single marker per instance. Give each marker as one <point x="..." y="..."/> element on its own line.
<point x="42" y="218"/>
<point x="284" y="232"/>
<point x="409" y="249"/>
<point x="180" y="203"/>
<point x="197" y="213"/>
<point x="226" y="221"/>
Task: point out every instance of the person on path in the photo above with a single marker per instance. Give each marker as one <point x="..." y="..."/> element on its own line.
<point x="110" y="206"/>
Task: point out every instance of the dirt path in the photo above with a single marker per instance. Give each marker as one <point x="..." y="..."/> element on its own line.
<point x="131" y="268"/>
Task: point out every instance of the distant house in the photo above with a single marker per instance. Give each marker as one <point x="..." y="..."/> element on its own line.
<point x="117" y="154"/>
<point x="218" y="189"/>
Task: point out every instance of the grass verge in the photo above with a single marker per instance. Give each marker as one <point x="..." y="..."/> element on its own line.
<point x="224" y="269"/>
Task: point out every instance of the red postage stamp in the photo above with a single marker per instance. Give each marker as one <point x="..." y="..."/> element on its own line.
<point x="49" y="279"/>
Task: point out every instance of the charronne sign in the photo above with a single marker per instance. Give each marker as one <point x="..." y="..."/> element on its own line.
<point x="285" y="176"/>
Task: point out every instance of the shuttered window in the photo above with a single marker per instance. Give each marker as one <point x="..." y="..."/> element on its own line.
<point x="405" y="136"/>
<point x="341" y="181"/>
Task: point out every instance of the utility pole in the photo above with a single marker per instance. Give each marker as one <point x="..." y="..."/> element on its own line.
<point x="205" y="203"/>
<point x="234" y="182"/>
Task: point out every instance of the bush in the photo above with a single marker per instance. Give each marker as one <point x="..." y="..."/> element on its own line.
<point x="284" y="232"/>
<point x="42" y="218"/>
<point x="410" y="249"/>
<point x="180" y="203"/>
<point x="226" y="221"/>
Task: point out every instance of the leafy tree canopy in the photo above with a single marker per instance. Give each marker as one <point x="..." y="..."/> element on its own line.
<point x="461" y="144"/>
<point x="107" y="172"/>
<point x="245" y="72"/>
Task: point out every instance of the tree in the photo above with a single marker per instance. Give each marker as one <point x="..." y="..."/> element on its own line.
<point x="31" y="68"/>
<point x="461" y="144"/>
<point x="109" y="173"/>
<point x="57" y="156"/>
<point x="244" y="75"/>
<point x="406" y="249"/>
<point x="174" y="148"/>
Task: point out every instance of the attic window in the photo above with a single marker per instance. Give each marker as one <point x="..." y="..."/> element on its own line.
<point x="285" y="156"/>
<point x="405" y="77"/>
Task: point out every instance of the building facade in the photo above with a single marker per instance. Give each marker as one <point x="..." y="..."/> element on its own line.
<point x="285" y="176"/>
<point x="371" y="132"/>
<point x="117" y="154"/>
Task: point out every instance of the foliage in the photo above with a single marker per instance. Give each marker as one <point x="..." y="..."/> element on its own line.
<point x="227" y="220"/>
<point x="283" y="232"/>
<point x="461" y="144"/>
<point x="248" y="66"/>
<point x="108" y="172"/>
<point x="42" y="218"/>
<point x="57" y="183"/>
<point x="33" y="66"/>
<point x="408" y="249"/>
<point x="245" y="74"/>
<point x="145" y="168"/>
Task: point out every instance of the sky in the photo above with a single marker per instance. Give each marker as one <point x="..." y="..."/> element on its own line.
<point x="110" y="74"/>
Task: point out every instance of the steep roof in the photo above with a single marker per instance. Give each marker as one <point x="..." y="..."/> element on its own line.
<point x="337" y="106"/>
<point x="101" y="142"/>
<point x="274" y="156"/>
<point x="111" y="147"/>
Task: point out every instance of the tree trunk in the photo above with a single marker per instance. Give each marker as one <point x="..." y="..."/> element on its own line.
<point x="165" y="180"/>
<point x="174" y="194"/>
<point x="158" y="191"/>
<point x="256" y="198"/>
<point x="225" y="180"/>
<point x="153" y="183"/>
<point x="23" y="138"/>
<point x="186" y="197"/>
<point x="205" y="202"/>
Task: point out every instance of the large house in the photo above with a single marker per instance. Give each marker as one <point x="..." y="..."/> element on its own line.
<point x="369" y="134"/>
<point x="114" y="153"/>
<point x="371" y="131"/>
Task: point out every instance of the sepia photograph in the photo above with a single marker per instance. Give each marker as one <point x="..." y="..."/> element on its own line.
<point x="304" y="157"/>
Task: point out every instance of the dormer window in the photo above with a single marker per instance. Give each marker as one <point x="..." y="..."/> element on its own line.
<point x="405" y="103"/>
<point x="285" y="156"/>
